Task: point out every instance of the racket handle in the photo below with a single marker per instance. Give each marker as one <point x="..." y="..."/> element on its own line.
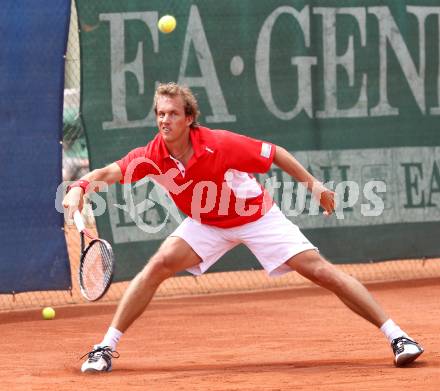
<point x="79" y="222"/>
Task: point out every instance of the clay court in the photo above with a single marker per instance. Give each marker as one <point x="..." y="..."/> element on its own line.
<point x="301" y="338"/>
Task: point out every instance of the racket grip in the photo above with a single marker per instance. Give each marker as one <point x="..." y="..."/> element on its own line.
<point x="79" y="222"/>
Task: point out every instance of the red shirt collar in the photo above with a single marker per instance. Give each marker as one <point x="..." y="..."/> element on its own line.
<point x="195" y="138"/>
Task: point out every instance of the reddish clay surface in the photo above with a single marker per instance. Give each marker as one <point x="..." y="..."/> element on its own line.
<point x="297" y="339"/>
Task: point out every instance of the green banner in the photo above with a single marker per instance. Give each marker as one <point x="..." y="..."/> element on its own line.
<point x="351" y="87"/>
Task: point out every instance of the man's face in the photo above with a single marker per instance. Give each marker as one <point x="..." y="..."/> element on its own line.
<point x="172" y="122"/>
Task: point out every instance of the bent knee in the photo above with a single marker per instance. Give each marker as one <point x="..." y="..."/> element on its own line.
<point x="161" y="264"/>
<point x="155" y="271"/>
<point x="164" y="263"/>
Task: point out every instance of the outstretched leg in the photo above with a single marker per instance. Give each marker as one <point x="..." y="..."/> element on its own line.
<point x="350" y="291"/>
<point x="355" y="296"/>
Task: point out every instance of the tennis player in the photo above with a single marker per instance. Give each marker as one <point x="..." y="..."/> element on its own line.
<point x="207" y="173"/>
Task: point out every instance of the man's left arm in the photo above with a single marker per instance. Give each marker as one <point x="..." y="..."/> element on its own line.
<point x="284" y="160"/>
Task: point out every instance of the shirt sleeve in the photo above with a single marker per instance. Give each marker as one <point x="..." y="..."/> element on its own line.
<point x="246" y="154"/>
<point x="135" y="165"/>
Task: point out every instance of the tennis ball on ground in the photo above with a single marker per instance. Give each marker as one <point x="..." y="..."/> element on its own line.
<point x="48" y="313"/>
<point x="167" y="24"/>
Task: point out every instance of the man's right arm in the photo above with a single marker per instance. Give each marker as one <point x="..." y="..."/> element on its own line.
<point x="97" y="178"/>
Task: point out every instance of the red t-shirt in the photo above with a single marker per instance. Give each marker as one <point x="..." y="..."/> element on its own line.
<point x="216" y="187"/>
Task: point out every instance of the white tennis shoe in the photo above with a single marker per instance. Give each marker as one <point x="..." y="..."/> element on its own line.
<point x="406" y="350"/>
<point x="99" y="359"/>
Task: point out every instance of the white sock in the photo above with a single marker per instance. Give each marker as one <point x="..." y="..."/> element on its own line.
<point x="392" y="330"/>
<point x="111" y="338"/>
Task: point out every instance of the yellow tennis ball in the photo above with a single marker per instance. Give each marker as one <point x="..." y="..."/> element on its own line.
<point x="167" y="24"/>
<point x="48" y="313"/>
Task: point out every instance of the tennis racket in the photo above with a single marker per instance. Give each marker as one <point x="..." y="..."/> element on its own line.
<point x="96" y="265"/>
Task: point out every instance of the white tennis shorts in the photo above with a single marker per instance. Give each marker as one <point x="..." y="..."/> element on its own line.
<point x="273" y="239"/>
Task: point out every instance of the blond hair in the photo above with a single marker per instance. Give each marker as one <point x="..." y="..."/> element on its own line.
<point x="190" y="102"/>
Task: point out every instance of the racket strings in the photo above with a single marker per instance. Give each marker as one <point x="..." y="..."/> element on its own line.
<point x="97" y="269"/>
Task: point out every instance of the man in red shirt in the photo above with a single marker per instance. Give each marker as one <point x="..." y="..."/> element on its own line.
<point x="207" y="174"/>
